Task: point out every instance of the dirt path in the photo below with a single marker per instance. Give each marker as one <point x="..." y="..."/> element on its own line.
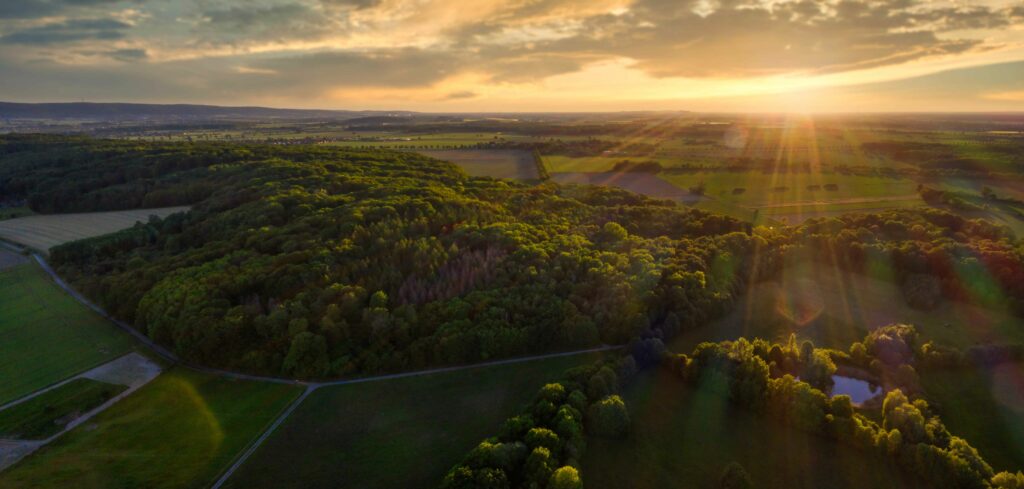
<point x="21" y="449"/>
<point x="132" y="370"/>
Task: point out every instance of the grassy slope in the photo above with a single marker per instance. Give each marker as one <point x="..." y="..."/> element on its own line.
<point x="47" y="414"/>
<point x="961" y="395"/>
<point x="684" y="438"/>
<point x="47" y="335"/>
<point x="400" y="433"/>
<point x="179" y="431"/>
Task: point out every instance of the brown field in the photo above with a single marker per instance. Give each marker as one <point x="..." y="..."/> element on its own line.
<point x="641" y="183"/>
<point x="46" y="231"/>
<point x="497" y="163"/>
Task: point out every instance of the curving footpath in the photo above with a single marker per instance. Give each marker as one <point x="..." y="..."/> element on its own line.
<point x="310" y="386"/>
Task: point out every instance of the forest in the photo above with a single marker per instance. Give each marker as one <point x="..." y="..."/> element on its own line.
<point x="316" y="262"/>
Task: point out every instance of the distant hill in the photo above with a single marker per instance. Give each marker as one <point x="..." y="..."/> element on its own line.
<point x="121" y="111"/>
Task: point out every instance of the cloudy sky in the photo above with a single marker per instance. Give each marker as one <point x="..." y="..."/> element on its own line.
<point x="527" y="55"/>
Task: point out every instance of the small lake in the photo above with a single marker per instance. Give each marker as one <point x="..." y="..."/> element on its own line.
<point x="858" y="390"/>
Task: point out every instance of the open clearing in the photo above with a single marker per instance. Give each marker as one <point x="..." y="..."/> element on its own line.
<point x="399" y="433"/>
<point x="47" y="335"/>
<point x="684" y="436"/>
<point x="642" y="183"/>
<point x="42" y="232"/>
<point x="179" y="431"/>
<point x="959" y="395"/>
<point x="497" y="163"/>
<point x="835" y="308"/>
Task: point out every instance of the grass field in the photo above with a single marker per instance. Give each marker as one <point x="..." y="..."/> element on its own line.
<point x="960" y="395"/>
<point x="495" y="163"/>
<point x="47" y="414"/>
<point x="398" y="433"/>
<point x="47" y="336"/>
<point x="835" y="308"/>
<point x="682" y="437"/>
<point x="180" y="431"/>
<point x="42" y="232"/>
<point x="642" y="183"/>
<point x="770" y="189"/>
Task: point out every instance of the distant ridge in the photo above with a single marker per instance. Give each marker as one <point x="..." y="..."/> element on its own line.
<point x="127" y="111"/>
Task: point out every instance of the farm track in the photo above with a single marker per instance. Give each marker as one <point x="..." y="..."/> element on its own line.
<point x="310" y="386"/>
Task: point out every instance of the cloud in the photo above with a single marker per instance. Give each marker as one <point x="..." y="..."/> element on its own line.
<point x="68" y="31"/>
<point x="31" y="9"/>
<point x="666" y="38"/>
<point x="310" y="49"/>
<point x="127" y="54"/>
<point x="461" y="95"/>
<point x="253" y="23"/>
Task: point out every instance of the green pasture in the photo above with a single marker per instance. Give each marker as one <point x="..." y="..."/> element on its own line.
<point x="179" y="431"/>
<point x="47" y="414"/>
<point x="835" y="308"/>
<point x="765" y="189"/>
<point x="685" y="437"/>
<point x="47" y="336"/>
<point x="399" y="433"/>
<point x="960" y="395"/>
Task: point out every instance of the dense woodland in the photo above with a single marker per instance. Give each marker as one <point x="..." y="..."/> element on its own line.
<point x="313" y="262"/>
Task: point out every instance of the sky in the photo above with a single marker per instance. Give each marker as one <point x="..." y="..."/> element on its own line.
<point x="520" y="55"/>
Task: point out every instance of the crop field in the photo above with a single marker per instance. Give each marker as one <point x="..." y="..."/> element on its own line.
<point x="759" y="189"/>
<point x="42" y="232"/>
<point x="397" y="433"/>
<point x="679" y="434"/>
<point x="497" y="163"/>
<point x="47" y="335"/>
<point x="641" y="183"/>
<point x="835" y="308"/>
<point x="959" y="395"/>
<point x="179" y="431"/>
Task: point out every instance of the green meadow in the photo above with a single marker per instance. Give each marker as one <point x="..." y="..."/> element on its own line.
<point x="685" y="437"/>
<point x="181" y="430"/>
<point x="47" y="335"/>
<point x="399" y="433"/>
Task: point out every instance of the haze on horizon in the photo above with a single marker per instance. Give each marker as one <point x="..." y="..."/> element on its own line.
<point x="521" y="55"/>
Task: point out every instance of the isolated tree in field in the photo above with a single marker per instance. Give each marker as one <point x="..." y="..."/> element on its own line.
<point x="735" y="477"/>
<point x="565" y="478"/>
<point x="307" y="356"/>
<point x="608" y="417"/>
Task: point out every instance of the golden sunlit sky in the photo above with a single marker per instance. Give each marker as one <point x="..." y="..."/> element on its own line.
<point x="522" y="55"/>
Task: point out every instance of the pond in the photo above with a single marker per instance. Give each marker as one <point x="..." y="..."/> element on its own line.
<point x="858" y="390"/>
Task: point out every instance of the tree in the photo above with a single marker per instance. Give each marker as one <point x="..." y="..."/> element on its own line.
<point x="608" y="417"/>
<point x="735" y="477"/>
<point x="307" y="357"/>
<point x="565" y="478"/>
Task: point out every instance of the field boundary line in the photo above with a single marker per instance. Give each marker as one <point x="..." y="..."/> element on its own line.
<point x="244" y="456"/>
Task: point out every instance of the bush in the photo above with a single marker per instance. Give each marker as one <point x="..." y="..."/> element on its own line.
<point x="565" y="478"/>
<point x="735" y="477"/>
<point x="608" y="417"/>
